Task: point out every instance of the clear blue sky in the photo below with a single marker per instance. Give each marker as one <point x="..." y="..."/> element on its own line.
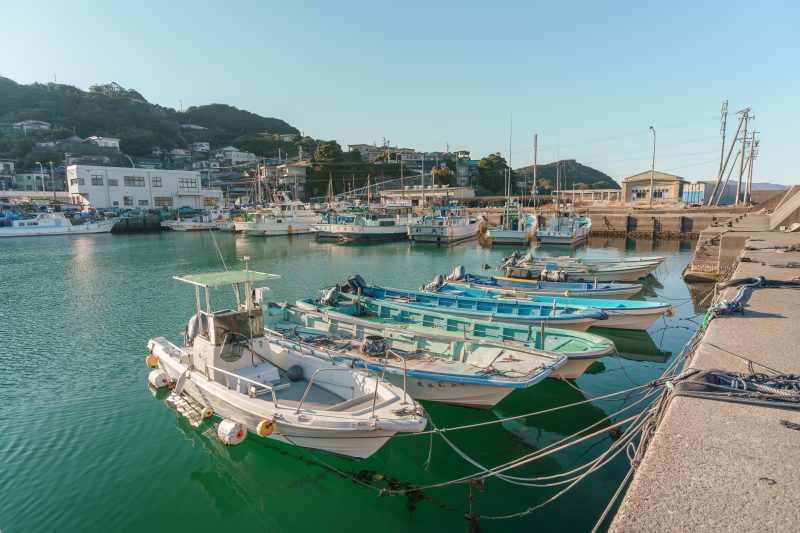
<point x="589" y="77"/>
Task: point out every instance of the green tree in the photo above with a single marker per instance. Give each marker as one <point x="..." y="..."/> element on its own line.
<point x="328" y="151"/>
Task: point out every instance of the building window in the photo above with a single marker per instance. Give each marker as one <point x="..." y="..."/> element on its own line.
<point x="209" y="201"/>
<point x="155" y="181"/>
<point x="127" y="200"/>
<point x="97" y="179"/>
<point x="116" y="203"/>
<point x="76" y="181"/>
<point x="144" y="202"/>
<point x="162" y="201"/>
<point x="187" y="183"/>
<point x="134" y="181"/>
<point x="113" y="182"/>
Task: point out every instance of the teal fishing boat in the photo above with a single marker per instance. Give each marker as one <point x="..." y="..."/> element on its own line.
<point x="581" y="349"/>
<point x="430" y="365"/>
<point x="514" y="312"/>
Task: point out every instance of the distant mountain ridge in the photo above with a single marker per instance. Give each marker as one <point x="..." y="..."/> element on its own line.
<point x="763" y="186"/>
<point x="573" y="174"/>
<point x="113" y="111"/>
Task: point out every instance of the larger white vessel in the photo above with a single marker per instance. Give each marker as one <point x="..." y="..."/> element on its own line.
<point x="213" y="219"/>
<point x="444" y="225"/>
<point x="287" y="217"/>
<point x="53" y="224"/>
<point x="378" y="223"/>
<point x="565" y="227"/>
<point x="229" y="368"/>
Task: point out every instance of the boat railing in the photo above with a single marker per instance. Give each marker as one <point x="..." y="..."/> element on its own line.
<point x="314" y="378"/>
<point x="253" y="391"/>
<point x="405" y="372"/>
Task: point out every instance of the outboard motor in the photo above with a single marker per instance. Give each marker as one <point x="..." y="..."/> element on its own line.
<point x="374" y="346"/>
<point x="458" y="273"/>
<point x="356" y="284"/>
<point x="331" y="296"/>
<point x="435" y="285"/>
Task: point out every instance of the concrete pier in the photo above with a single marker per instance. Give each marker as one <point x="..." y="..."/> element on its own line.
<point x="722" y="466"/>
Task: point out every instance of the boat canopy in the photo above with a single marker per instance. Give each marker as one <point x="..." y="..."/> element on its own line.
<point x="229" y="277"/>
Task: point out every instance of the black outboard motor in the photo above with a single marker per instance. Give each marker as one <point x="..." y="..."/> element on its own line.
<point x="374" y="346"/>
<point x="356" y="284"/>
<point x="331" y="296"/>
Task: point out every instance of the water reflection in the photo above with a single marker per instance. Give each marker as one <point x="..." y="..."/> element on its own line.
<point x="634" y="345"/>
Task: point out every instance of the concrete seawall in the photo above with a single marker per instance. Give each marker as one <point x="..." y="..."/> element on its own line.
<point x="718" y="465"/>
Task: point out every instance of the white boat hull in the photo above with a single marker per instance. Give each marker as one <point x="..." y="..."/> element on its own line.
<point x="274" y="229"/>
<point x="510" y="237"/>
<point x="636" y="319"/>
<point x="442" y="234"/>
<point x="462" y="394"/>
<point x="82" y="229"/>
<point x="574" y="368"/>
<point x="358" y="439"/>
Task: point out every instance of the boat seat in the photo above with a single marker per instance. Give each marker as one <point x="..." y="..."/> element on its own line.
<point x="353" y="404"/>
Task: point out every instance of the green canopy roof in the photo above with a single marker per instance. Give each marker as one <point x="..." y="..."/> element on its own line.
<point x="230" y="277"/>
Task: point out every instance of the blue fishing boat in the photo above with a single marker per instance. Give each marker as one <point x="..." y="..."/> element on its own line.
<point x="622" y="314"/>
<point x="521" y="288"/>
<point x="514" y="311"/>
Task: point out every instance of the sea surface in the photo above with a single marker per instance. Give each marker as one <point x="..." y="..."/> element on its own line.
<point x="85" y="445"/>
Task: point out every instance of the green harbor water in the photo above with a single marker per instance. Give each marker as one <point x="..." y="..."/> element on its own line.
<point x="86" y="446"/>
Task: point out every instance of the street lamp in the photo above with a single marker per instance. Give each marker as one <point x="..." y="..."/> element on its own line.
<point x="653" y="166"/>
<point x="52" y="180"/>
<point x="41" y="174"/>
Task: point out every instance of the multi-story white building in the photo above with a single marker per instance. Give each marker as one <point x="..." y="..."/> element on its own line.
<point x="234" y="156"/>
<point x="32" y="181"/>
<point x="109" y="187"/>
<point x="180" y="153"/>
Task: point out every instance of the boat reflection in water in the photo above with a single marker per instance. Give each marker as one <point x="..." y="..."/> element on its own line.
<point x="634" y="345"/>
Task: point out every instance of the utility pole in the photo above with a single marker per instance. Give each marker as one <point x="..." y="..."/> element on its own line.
<point x="402" y="188"/>
<point x="652" y="166"/>
<point x="535" y="150"/>
<point x="422" y="179"/>
<point x="745" y="117"/>
<point x="725" y="164"/>
<point x="752" y="157"/>
<point x="722" y="130"/>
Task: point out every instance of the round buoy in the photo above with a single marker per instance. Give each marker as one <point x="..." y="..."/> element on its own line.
<point x="158" y="378"/>
<point x="294" y="373"/>
<point x="567" y="294"/>
<point x="151" y="360"/>
<point x="207" y="412"/>
<point x="670" y="312"/>
<point x="265" y="428"/>
<point x="230" y="432"/>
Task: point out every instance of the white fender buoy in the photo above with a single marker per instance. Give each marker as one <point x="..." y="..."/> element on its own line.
<point x="231" y="432"/>
<point x="158" y="378"/>
<point x="207" y="412"/>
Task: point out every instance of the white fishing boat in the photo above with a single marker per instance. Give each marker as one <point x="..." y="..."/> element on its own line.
<point x="378" y="223"/>
<point x="565" y="227"/>
<point x="287" y="217"/>
<point x="516" y="227"/>
<point x="258" y="385"/>
<point x="212" y="219"/>
<point x="43" y="224"/>
<point x="444" y="225"/>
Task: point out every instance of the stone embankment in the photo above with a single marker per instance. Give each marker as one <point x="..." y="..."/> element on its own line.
<point x="715" y="464"/>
